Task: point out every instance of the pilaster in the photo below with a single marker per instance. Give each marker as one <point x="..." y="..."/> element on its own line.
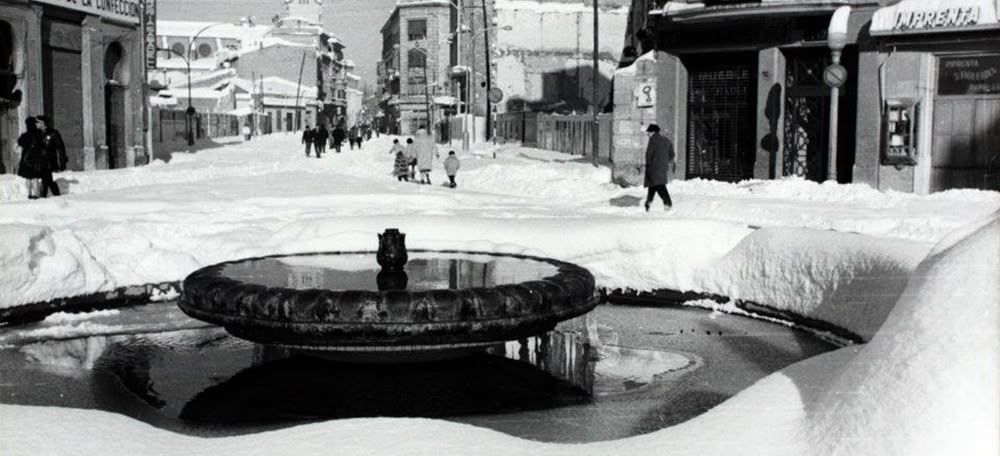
<point x="770" y="125"/>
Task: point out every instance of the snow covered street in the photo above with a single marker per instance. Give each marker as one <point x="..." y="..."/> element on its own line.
<point x="843" y="254"/>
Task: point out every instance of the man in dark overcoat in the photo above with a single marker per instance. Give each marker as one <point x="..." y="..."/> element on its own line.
<point x="54" y="152"/>
<point x="659" y="164"/>
<point x="307" y="139"/>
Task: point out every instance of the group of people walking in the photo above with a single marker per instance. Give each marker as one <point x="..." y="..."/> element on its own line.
<point x="419" y="155"/>
<point x="42" y="153"/>
<point x="316" y="138"/>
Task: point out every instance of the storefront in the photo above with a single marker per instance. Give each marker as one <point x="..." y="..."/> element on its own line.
<point x="940" y="69"/>
<point x="80" y="63"/>
<point x="741" y="90"/>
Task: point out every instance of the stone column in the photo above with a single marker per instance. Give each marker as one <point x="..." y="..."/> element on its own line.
<point x="770" y="121"/>
<point x="671" y="107"/>
<point x="867" y="147"/>
<point x="92" y="76"/>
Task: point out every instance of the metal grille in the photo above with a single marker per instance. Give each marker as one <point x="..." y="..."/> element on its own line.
<point x="720" y="122"/>
<point x="806" y="113"/>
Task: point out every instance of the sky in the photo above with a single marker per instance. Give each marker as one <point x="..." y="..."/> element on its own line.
<point x="355" y="22"/>
<point x="915" y="276"/>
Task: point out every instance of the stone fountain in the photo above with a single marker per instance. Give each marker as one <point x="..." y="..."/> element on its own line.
<point x="388" y="305"/>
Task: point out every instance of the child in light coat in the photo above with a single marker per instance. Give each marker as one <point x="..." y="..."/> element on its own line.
<point x="451" y="165"/>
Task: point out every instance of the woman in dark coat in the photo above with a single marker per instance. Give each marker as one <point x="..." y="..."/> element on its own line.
<point x="54" y="153"/>
<point x="659" y="163"/>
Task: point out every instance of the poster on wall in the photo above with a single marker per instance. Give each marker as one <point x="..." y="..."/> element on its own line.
<point x="969" y="75"/>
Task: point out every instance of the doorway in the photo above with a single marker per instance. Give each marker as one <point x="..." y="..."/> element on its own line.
<point x="807" y="115"/>
<point x="721" y="116"/>
<point x="114" y="105"/>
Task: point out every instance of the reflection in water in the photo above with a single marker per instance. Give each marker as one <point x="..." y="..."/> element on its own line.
<point x="304" y="388"/>
<point x="424" y="271"/>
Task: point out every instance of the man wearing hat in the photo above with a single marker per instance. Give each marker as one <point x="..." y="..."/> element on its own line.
<point x="659" y="163"/>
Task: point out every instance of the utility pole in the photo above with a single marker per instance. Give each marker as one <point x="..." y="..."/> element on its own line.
<point x="473" y="95"/>
<point x="489" y="85"/>
<point x="298" y="89"/>
<point x="595" y="133"/>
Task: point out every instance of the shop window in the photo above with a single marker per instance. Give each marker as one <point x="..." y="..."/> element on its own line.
<point x="416" y="29"/>
<point x="8" y="79"/>
<point x="900" y="141"/>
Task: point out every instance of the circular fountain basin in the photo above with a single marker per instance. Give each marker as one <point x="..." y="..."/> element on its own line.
<point x="342" y="302"/>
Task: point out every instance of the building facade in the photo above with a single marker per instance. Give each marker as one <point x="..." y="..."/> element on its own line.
<point x="82" y="65"/>
<point x="743" y="88"/>
<point x="418" y="54"/>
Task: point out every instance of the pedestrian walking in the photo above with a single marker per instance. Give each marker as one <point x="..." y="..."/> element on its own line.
<point x="411" y="157"/>
<point x="320" y="139"/>
<point x="400" y="167"/>
<point x="307" y="139"/>
<point x="338" y="136"/>
<point x="659" y="164"/>
<point x="32" y="156"/>
<point x="451" y="165"/>
<point x="54" y="154"/>
<point x="246" y="132"/>
<point x="354" y="136"/>
<point x="426" y="151"/>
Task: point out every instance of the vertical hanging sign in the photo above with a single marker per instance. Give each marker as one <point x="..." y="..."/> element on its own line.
<point x="149" y="33"/>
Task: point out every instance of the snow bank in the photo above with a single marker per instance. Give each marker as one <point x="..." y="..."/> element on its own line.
<point x="849" y="280"/>
<point x="927" y="383"/>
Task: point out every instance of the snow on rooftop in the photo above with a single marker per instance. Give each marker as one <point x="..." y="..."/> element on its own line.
<point x="214" y="30"/>
<point x="554" y="6"/>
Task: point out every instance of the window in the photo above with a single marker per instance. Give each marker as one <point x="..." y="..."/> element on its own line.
<point x="204" y="50"/>
<point x="416" y="29"/>
<point x="178" y="50"/>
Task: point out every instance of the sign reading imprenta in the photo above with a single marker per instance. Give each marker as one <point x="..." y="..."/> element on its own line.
<point x="955" y="16"/>
<point x="123" y="10"/>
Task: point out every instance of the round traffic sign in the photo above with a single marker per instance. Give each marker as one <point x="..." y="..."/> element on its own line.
<point x="835" y="75"/>
<point x="495" y="95"/>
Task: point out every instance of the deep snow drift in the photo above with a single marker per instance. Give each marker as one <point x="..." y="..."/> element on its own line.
<point x="843" y="254"/>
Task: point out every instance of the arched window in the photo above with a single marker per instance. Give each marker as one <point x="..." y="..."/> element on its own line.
<point x="112" y="62"/>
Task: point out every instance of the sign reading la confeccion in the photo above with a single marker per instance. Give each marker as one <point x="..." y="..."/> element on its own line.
<point x="956" y="16"/>
<point x="123" y="10"/>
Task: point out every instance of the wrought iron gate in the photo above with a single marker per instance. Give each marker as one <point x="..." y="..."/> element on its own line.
<point x="807" y="110"/>
<point x="114" y="120"/>
<point x="720" y="123"/>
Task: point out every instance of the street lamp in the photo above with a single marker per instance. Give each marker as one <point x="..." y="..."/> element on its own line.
<point x="834" y="75"/>
<point x="189" y="113"/>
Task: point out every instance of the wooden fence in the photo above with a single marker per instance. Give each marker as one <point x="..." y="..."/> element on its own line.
<point x="571" y="134"/>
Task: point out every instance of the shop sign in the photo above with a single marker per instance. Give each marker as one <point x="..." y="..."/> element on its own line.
<point x="149" y="32"/>
<point x="969" y="75"/>
<point x="955" y="16"/>
<point x="123" y="10"/>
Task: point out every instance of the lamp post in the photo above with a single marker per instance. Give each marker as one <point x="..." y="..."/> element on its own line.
<point x="834" y="76"/>
<point x="189" y="113"/>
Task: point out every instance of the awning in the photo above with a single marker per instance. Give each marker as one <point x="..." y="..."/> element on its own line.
<point x="935" y="16"/>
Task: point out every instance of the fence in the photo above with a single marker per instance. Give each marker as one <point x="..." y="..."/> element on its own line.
<point x="571" y="134"/>
<point x="170" y="125"/>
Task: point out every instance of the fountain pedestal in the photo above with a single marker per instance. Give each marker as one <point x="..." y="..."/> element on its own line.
<point x="342" y="302"/>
